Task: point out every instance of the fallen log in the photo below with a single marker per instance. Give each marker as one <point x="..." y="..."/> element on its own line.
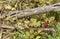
<point x="39" y="10"/>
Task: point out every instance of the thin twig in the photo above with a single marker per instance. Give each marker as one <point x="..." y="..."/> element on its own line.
<point x="6" y="27"/>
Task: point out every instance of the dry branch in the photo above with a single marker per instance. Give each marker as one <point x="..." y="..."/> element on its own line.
<point x="6" y="27"/>
<point x="39" y="10"/>
<point x="0" y="35"/>
<point x="52" y="30"/>
<point x="7" y="36"/>
<point x="43" y="29"/>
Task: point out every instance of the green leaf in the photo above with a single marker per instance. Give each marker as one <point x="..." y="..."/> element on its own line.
<point x="38" y="37"/>
<point x="49" y="37"/>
